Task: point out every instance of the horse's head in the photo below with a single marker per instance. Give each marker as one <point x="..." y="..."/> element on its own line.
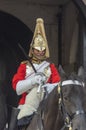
<point x="73" y="99"/>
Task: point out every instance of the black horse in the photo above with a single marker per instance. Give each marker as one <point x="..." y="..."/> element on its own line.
<point x="65" y="106"/>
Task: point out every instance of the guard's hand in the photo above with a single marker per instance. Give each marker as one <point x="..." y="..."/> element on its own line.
<point x="40" y="78"/>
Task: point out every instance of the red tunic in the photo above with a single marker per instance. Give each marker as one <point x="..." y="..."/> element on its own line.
<point x="20" y="75"/>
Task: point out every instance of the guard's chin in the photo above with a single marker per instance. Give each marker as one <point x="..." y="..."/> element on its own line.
<point x="41" y="57"/>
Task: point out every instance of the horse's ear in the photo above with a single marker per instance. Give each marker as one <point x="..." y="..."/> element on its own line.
<point x="81" y="72"/>
<point x="62" y="72"/>
<point x="60" y="69"/>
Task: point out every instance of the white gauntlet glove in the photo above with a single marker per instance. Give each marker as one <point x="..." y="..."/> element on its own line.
<point x="24" y="85"/>
<point x="39" y="78"/>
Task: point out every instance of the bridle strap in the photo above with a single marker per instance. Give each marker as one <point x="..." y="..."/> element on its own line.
<point x="77" y="113"/>
<point x="72" y="82"/>
<point x="61" y="104"/>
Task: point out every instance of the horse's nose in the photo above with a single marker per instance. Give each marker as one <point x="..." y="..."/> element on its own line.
<point x="79" y="123"/>
<point x="79" y="128"/>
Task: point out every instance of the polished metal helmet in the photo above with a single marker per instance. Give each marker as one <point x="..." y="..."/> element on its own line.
<point x="39" y="40"/>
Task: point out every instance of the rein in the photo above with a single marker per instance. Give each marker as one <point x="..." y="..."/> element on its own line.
<point x="67" y="118"/>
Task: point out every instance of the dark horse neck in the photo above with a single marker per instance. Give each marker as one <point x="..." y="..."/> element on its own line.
<point x="53" y="116"/>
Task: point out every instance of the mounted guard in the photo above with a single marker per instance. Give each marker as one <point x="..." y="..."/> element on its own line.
<point x="29" y="84"/>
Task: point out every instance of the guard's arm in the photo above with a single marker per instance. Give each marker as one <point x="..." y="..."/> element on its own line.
<point x="24" y="85"/>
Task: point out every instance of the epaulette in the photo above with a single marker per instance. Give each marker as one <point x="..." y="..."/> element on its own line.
<point x="24" y="62"/>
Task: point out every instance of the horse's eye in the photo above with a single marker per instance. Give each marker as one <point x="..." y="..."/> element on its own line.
<point x="65" y="98"/>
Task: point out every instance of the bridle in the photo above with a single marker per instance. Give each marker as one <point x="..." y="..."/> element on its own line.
<point x="68" y="118"/>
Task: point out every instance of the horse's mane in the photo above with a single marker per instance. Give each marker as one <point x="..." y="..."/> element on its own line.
<point x="49" y="100"/>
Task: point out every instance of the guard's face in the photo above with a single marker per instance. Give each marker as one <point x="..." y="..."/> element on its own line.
<point x="39" y="54"/>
